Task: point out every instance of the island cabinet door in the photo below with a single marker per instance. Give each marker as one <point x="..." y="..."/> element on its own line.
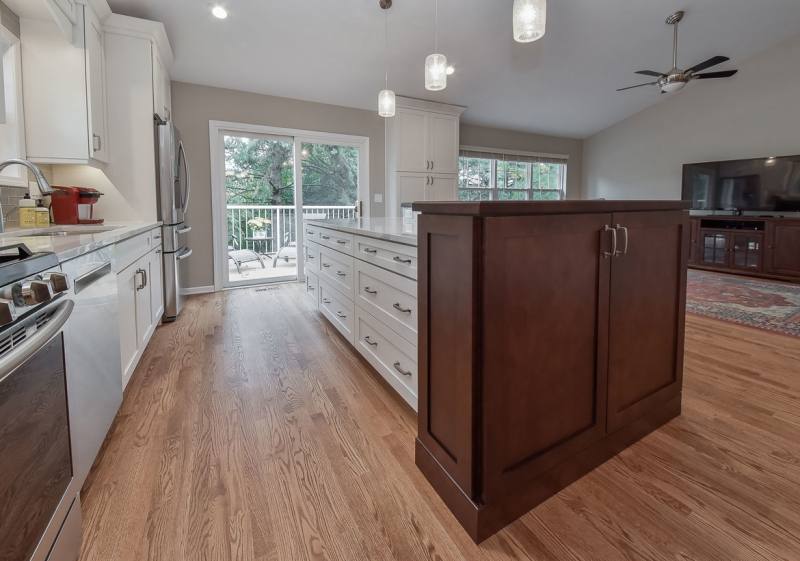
<point x="648" y="288"/>
<point x="544" y="329"/>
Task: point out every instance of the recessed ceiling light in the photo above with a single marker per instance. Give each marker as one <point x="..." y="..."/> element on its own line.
<point x="219" y="12"/>
<point x="451" y="70"/>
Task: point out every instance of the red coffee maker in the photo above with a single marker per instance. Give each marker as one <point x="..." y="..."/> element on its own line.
<point x="74" y="205"/>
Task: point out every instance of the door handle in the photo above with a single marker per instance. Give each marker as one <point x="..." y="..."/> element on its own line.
<point x="613" y="251"/>
<point x="624" y="250"/>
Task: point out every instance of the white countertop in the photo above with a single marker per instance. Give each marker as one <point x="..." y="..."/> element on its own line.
<point x="389" y="229"/>
<point x="80" y="240"/>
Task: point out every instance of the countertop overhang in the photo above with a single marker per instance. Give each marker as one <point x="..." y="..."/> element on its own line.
<point x="523" y="208"/>
<point x="390" y="229"/>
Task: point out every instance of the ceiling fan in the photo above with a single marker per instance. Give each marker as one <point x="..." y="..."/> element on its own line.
<point x="675" y="79"/>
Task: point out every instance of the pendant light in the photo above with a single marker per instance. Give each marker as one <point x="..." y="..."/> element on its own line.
<point x="386" y="97"/>
<point x="436" y="64"/>
<point x="530" y="17"/>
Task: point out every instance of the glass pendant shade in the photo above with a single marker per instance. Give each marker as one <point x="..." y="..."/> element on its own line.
<point x="530" y="17"/>
<point x="386" y="103"/>
<point x="435" y="72"/>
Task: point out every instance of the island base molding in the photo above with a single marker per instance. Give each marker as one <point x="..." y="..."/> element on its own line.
<point x="481" y="521"/>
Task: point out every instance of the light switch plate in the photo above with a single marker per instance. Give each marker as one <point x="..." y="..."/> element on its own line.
<point x="378" y="197"/>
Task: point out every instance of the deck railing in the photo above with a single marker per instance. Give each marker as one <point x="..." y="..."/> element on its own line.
<point x="279" y="230"/>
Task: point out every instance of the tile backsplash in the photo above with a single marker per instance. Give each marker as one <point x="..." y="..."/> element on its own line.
<point x="9" y="198"/>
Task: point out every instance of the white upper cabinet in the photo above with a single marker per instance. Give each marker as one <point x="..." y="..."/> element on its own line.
<point x="410" y="136"/>
<point x="162" y="94"/>
<point x="64" y="90"/>
<point x="442" y="142"/>
<point x="12" y="125"/>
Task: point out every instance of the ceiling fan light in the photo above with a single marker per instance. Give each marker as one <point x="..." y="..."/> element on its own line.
<point x="435" y="72"/>
<point x="530" y="19"/>
<point x="386" y="103"/>
<point x="671" y="87"/>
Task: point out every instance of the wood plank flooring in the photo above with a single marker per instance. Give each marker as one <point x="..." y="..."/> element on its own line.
<point x="251" y="431"/>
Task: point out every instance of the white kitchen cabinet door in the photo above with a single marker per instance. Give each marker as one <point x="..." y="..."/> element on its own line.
<point x="162" y="104"/>
<point x="411" y="187"/>
<point x="442" y="142"/>
<point x="144" y="311"/>
<point x="127" y="281"/>
<point x="442" y="188"/>
<point x="156" y="281"/>
<point x="410" y="138"/>
<point x="96" y="88"/>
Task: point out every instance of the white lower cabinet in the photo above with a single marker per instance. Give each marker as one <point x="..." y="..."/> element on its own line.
<point x="141" y="299"/>
<point x="371" y="299"/>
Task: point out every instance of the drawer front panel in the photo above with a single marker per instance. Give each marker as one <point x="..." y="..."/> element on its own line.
<point x="391" y="355"/>
<point x="311" y="256"/>
<point x="340" y="241"/>
<point x="392" y="256"/>
<point x="337" y="308"/>
<point x="312" y="287"/>
<point x="390" y="297"/>
<point x="310" y="233"/>
<point x="337" y="269"/>
<point x="128" y="251"/>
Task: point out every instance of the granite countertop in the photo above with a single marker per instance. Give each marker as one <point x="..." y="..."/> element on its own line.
<point x="390" y="229"/>
<point x="80" y="239"/>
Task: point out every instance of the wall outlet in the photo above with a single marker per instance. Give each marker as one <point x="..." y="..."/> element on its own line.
<point x="378" y="197"/>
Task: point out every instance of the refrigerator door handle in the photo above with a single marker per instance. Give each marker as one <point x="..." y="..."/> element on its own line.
<point x="184" y="230"/>
<point x="183" y="254"/>
<point x="188" y="179"/>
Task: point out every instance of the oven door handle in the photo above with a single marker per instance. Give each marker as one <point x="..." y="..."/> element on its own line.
<point x="40" y="338"/>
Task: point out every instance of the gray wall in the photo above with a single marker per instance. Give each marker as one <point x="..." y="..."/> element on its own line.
<point x="194" y="106"/>
<point x="756" y="113"/>
<point x="486" y="137"/>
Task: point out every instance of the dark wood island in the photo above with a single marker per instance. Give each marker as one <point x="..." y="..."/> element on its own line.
<point x="550" y="338"/>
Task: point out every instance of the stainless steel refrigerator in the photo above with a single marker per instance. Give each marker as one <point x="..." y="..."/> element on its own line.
<point x="174" y="188"/>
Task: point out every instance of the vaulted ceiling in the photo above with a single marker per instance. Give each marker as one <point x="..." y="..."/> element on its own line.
<point x="333" y="51"/>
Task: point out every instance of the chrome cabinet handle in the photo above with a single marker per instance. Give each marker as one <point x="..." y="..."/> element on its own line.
<point x="311" y="288"/>
<point x="341" y="274"/>
<point x="400" y="370"/>
<point x="433" y="164"/>
<point x="325" y="237"/>
<point x="343" y="242"/>
<point x="401" y="260"/>
<point x="140" y="273"/>
<point x="613" y="251"/>
<point x="624" y="250"/>
<point x="370" y="250"/>
<point x="310" y="257"/>
<point x="326" y="265"/>
<point x="432" y="179"/>
<point x="369" y="341"/>
<point x="310" y="232"/>
<point x="369" y="290"/>
<point x="341" y="315"/>
<point x="326" y="300"/>
<point x="399" y="308"/>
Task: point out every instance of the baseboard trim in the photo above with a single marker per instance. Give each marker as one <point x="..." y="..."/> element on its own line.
<point x="197" y="290"/>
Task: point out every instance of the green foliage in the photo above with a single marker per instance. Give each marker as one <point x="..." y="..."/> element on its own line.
<point x="330" y="174"/>
<point x="514" y="181"/>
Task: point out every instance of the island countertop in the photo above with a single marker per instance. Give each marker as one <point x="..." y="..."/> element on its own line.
<point x="390" y="229"/>
<point x="78" y="239"/>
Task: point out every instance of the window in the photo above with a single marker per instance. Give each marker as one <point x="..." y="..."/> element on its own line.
<point x="485" y="176"/>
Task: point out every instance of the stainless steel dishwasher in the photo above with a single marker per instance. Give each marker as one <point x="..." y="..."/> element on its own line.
<point x="92" y="355"/>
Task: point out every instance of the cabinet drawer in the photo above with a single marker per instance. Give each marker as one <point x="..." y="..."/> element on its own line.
<point x="311" y="256"/>
<point x="312" y="287"/>
<point x="340" y="241"/>
<point x="392" y="256"/>
<point x="389" y="297"/>
<point x="128" y="251"/>
<point x="337" y="308"/>
<point x="337" y="269"/>
<point x="391" y="355"/>
<point x="310" y="233"/>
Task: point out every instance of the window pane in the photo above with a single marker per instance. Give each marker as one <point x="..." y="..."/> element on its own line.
<point x="474" y="195"/>
<point x="509" y="195"/>
<point x="474" y="173"/>
<point x="546" y="195"/>
<point x="259" y="170"/>
<point x="512" y="175"/>
<point x="330" y="174"/>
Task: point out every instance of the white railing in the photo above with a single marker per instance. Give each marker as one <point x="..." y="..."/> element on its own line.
<point x="280" y="231"/>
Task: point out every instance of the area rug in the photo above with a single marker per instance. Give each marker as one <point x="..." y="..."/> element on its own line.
<point x="764" y="304"/>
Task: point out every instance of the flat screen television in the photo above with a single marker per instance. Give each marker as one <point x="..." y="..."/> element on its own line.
<point x="758" y="184"/>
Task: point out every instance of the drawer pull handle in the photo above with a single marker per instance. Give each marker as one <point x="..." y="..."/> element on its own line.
<point x="325" y="237"/>
<point x="401" y="260"/>
<point x="341" y="315"/>
<point x="400" y="370"/>
<point x="311" y="288"/>
<point x="310" y="257"/>
<point x="370" y="250"/>
<point x="369" y="341"/>
<point x="326" y="300"/>
<point x="341" y="274"/>
<point x="310" y="232"/>
<point x="369" y="290"/>
<point x="326" y="265"/>
<point x="399" y="308"/>
<point x="341" y="241"/>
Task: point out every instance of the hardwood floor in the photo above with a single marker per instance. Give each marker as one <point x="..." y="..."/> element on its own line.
<point x="251" y="431"/>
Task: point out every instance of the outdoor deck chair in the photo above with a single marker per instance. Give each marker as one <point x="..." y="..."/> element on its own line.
<point x="241" y="256"/>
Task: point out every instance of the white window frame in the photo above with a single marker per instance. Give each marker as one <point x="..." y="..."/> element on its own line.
<point x="217" y="131"/>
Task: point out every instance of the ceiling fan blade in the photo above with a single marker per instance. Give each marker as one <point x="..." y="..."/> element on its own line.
<point x="723" y="74"/>
<point x="713" y="61"/>
<point x="650" y="73"/>
<point x="637" y="86"/>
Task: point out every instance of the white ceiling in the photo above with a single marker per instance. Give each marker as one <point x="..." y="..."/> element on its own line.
<point x="332" y="51"/>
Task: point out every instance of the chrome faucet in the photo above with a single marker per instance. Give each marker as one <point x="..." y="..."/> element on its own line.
<point x="44" y="186"/>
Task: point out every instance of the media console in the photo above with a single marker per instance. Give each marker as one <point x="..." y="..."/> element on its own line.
<point x="750" y="245"/>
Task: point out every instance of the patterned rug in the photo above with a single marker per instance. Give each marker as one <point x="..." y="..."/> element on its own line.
<point x="758" y="303"/>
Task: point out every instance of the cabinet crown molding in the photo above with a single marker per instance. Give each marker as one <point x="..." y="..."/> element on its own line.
<point x="425" y="105"/>
<point x="143" y="29"/>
